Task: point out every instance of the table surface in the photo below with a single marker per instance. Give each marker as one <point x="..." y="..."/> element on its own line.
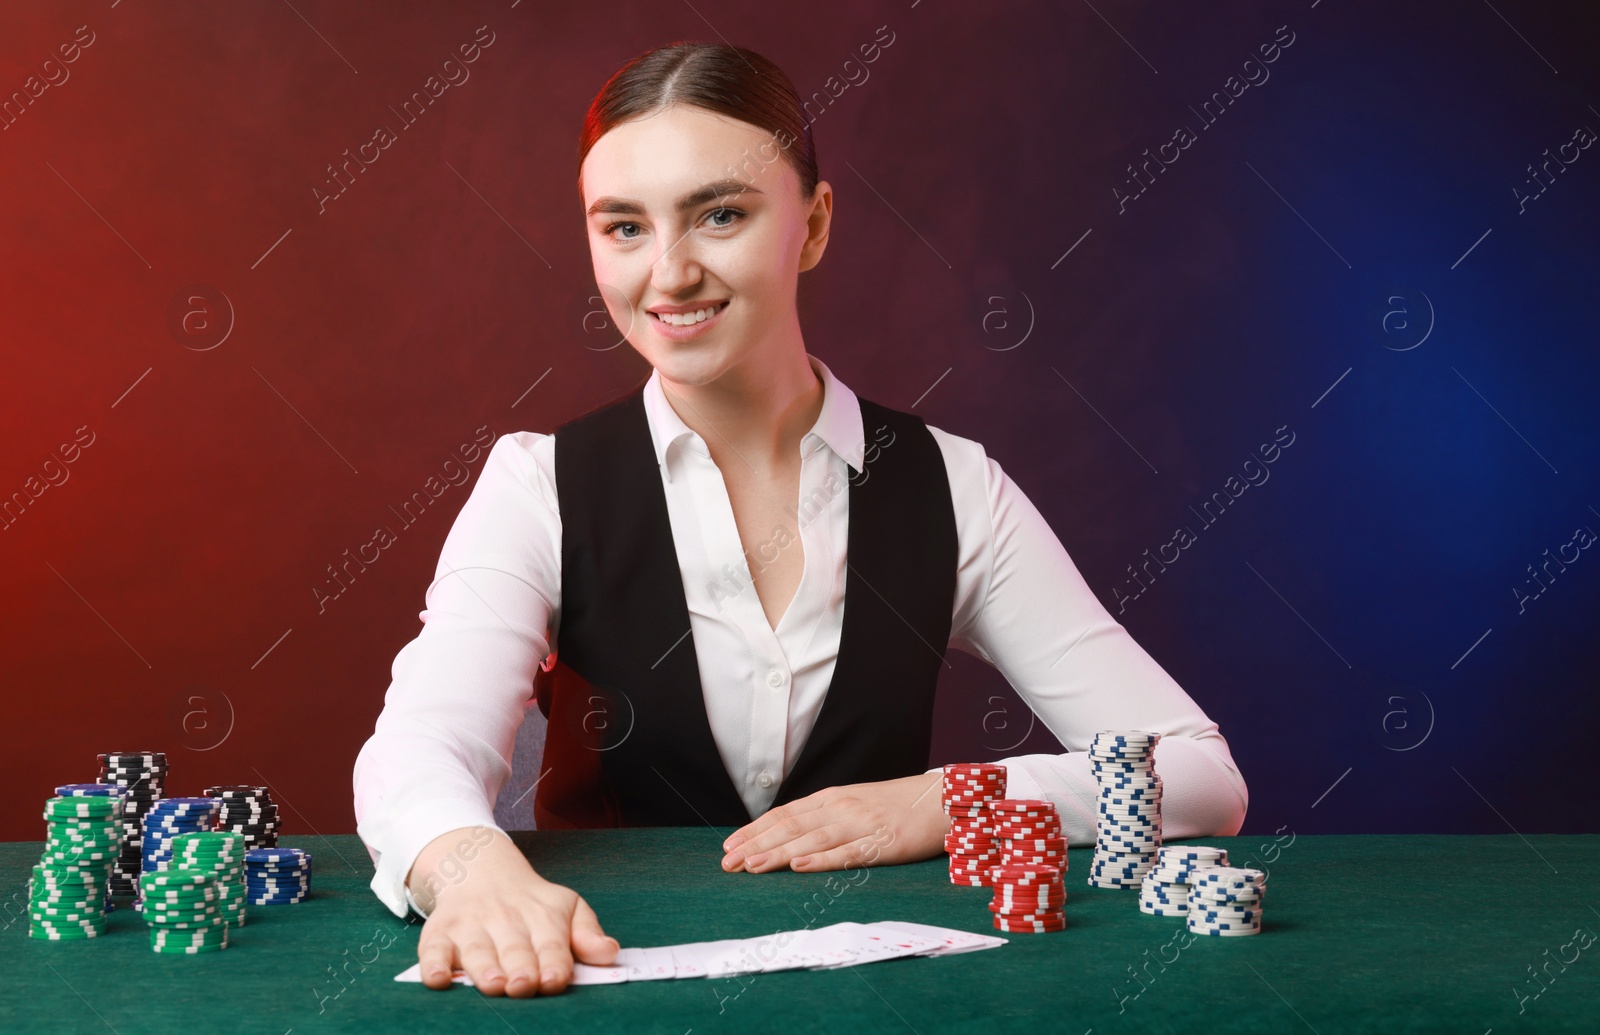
<point x="1362" y="934"/>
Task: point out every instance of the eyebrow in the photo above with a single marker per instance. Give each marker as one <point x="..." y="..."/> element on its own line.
<point x="694" y="199"/>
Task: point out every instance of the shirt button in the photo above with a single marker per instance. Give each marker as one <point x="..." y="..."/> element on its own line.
<point x="774" y="679"/>
<point x="765" y="779"/>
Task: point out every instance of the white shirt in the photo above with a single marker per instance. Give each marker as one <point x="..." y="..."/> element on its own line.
<point x="441" y="750"/>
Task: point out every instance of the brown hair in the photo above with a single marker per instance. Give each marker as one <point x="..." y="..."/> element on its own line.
<point x="718" y="77"/>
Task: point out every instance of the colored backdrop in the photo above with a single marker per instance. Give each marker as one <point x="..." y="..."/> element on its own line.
<point x="1283" y="314"/>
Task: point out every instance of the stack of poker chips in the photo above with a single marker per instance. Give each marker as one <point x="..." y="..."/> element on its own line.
<point x="1028" y="833"/>
<point x="221" y="854"/>
<point x="1029" y="899"/>
<point x="1128" y="826"/>
<point x="968" y="790"/>
<point x="249" y="811"/>
<point x="97" y="790"/>
<point x="137" y="776"/>
<point x="166" y="820"/>
<point x="277" y="876"/>
<point x="183" y="911"/>
<point x="1226" y="902"/>
<point x="67" y="895"/>
<point x="1165" y="889"/>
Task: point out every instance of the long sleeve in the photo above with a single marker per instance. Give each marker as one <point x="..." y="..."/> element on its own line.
<point x="1023" y="607"/>
<point x="441" y="749"/>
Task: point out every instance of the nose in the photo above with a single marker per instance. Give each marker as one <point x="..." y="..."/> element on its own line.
<point x="676" y="268"/>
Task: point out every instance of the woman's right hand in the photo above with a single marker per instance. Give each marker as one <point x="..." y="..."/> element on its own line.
<point x="490" y="914"/>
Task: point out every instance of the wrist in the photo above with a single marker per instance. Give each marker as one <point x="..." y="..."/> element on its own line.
<point x="450" y="859"/>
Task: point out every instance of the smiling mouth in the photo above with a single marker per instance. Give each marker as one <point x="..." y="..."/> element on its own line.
<point x="690" y="319"/>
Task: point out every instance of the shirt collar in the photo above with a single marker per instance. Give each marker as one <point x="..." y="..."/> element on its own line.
<point x="838" y="425"/>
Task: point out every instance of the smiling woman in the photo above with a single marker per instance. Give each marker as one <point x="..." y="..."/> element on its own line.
<point x="800" y="715"/>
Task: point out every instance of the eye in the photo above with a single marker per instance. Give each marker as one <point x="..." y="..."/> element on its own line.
<point x="625" y="237"/>
<point x="733" y="214"/>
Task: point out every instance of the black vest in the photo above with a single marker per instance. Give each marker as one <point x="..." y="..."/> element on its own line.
<point x="628" y="741"/>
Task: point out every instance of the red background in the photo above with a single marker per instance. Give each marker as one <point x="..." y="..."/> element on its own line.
<point x="366" y="348"/>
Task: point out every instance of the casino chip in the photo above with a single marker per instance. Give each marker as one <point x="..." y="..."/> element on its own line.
<point x="221" y="854"/>
<point x="1128" y="821"/>
<point x="968" y="790"/>
<point x="247" y="810"/>
<point x="138" y="778"/>
<point x="185" y="912"/>
<point x="1165" y="889"/>
<point x="167" y="820"/>
<point x="1225" y="902"/>
<point x="277" y="876"/>
<point x="67" y="892"/>
<point x="1029" y="899"/>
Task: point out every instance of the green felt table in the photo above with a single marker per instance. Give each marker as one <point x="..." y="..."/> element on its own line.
<point x="1363" y="934"/>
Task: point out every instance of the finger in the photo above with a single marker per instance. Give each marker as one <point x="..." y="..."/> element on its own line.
<point x="436" y="957"/>
<point x="519" y="961"/>
<point x="766" y="820"/>
<point x="863" y="851"/>
<point x="482" y="964"/>
<point x="820" y="839"/>
<point x="555" y="962"/>
<point x="791" y="825"/>
<point x="590" y="944"/>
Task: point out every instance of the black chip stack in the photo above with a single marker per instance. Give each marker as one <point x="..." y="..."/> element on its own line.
<point x="140" y="777"/>
<point x="249" y="811"/>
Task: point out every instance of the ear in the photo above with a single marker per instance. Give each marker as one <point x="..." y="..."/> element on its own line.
<point x="818" y="222"/>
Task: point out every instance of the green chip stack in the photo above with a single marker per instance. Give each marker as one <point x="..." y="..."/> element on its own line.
<point x="182" y="908"/>
<point x="221" y="854"/>
<point x="67" y="895"/>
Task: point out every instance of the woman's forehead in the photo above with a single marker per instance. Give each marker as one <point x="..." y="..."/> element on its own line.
<point x="659" y="158"/>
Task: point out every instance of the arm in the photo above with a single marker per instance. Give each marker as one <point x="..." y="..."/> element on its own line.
<point x="1039" y="624"/>
<point x="1022" y="606"/>
<point x="426" y="780"/>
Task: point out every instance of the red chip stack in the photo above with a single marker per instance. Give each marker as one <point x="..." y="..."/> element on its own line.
<point x="1028" y="833"/>
<point x="1030" y="890"/>
<point x="1029" y="899"/>
<point x="969" y="787"/>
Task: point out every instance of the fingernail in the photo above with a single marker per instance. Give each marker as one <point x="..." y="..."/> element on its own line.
<point x="733" y="841"/>
<point x="492" y="975"/>
<point x="802" y="861"/>
<point x="755" y="860"/>
<point x="548" y="977"/>
<point x="731" y="860"/>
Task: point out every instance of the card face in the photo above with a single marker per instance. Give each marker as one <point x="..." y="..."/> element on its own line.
<point x="588" y="974"/>
<point x="951" y="941"/>
<point x="647" y="964"/>
<point x="837" y="945"/>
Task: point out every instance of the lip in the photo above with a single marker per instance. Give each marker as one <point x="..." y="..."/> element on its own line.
<point x="691" y="332"/>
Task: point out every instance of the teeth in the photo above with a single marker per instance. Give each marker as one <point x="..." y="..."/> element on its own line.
<point x="686" y="319"/>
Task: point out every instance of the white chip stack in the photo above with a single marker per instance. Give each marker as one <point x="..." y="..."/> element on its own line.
<point x="1226" y="902"/>
<point x="1165" y="889"/>
<point x="1128" y="825"/>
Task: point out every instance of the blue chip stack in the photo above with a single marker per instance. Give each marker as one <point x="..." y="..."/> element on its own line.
<point x="1226" y="901"/>
<point x="277" y="876"/>
<point x="1128" y="827"/>
<point x="1165" y="889"/>
<point x="168" y="818"/>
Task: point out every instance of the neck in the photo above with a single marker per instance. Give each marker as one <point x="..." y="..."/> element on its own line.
<point x="758" y="411"/>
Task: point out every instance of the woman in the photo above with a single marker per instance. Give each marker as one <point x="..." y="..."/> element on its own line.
<point x="712" y="652"/>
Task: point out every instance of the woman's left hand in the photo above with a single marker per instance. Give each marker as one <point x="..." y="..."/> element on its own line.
<point x="862" y="824"/>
